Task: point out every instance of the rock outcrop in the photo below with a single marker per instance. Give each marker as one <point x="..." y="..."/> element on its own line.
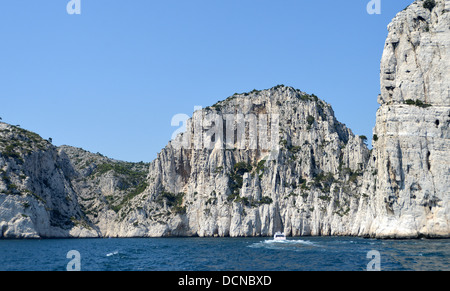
<point x="261" y="162"/>
<point x="36" y="197"/>
<point x="415" y="63"/>
<point x="411" y="136"/>
<point x="47" y="191"/>
<point x="227" y="181"/>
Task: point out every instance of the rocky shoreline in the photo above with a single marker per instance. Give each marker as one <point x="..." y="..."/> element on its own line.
<point x="260" y="162"/>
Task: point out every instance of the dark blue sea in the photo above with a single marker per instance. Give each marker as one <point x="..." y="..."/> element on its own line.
<point x="225" y="254"/>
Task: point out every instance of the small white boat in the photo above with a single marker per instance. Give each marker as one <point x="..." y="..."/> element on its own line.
<point x="279" y="236"/>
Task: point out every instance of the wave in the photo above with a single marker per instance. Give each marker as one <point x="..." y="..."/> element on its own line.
<point x="112" y="254"/>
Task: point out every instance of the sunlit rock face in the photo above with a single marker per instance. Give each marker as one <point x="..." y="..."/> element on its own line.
<point x="412" y="126"/>
<point x="261" y="162"/>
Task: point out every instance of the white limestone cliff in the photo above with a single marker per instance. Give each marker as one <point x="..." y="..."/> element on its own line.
<point x="308" y="188"/>
<point x="411" y="152"/>
<point x="299" y="170"/>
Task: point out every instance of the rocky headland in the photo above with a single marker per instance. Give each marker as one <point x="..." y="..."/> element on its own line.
<point x="261" y="162"/>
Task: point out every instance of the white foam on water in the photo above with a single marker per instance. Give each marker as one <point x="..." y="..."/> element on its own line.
<point x="282" y="244"/>
<point x="112" y="254"/>
<point x="289" y="242"/>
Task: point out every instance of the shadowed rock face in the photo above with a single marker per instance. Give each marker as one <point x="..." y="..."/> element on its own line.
<point x="260" y="162"/>
<point x="47" y="191"/>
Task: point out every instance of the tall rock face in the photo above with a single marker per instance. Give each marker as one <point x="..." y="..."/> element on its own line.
<point x="256" y="163"/>
<point x="261" y="162"/>
<point x="415" y="63"/>
<point x="411" y="138"/>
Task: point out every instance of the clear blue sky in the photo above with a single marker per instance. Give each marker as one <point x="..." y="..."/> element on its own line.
<point x="110" y="80"/>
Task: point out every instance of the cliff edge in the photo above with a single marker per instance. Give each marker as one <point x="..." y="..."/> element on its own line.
<point x="411" y="136"/>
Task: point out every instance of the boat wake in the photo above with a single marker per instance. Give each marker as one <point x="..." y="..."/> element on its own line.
<point x="289" y="242"/>
<point x="283" y="244"/>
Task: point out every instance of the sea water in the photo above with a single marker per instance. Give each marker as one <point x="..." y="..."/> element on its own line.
<point x="225" y="254"/>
